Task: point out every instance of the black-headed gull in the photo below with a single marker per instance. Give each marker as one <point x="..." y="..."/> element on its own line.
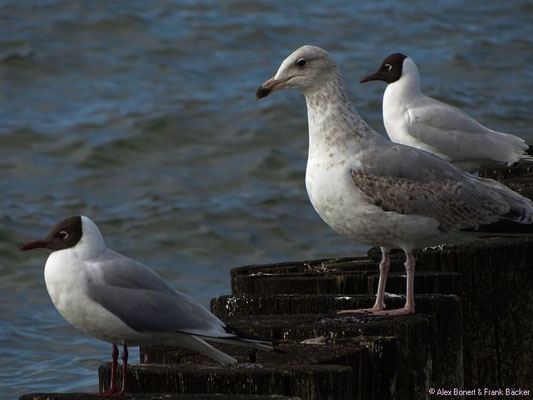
<point x="379" y="192"/>
<point x="414" y="119"/>
<point x="123" y="302"/>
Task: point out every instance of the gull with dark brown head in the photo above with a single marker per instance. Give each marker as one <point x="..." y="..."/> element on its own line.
<point x="378" y="192"/>
<point x="414" y="119"/>
<point x="123" y="302"/>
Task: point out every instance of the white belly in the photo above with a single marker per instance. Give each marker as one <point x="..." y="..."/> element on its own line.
<point x="348" y="211"/>
<point x="338" y="202"/>
<point x="65" y="284"/>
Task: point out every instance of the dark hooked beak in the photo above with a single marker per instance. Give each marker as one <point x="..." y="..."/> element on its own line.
<point x="374" y="77"/>
<point x="35" y="245"/>
<point x="270" y="86"/>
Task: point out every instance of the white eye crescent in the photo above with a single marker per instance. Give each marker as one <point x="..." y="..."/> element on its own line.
<point x="302" y="62"/>
<point x="63" y="234"/>
<point x="388" y="67"/>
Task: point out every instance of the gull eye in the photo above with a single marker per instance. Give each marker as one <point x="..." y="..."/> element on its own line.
<point x="302" y="62"/>
<point x="63" y="235"/>
<point x="387" y="67"/>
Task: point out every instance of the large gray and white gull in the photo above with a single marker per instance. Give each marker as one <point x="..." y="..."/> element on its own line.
<point x="123" y="302"/>
<point x="379" y="192"/>
<point x="414" y="119"/>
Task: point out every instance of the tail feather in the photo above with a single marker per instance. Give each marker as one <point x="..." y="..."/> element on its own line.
<point x="520" y="207"/>
<point x="521" y="215"/>
<point x="240" y="338"/>
<point x="231" y="336"/>
<point x="517" y="207"/>
<point x="267" y="346"/>
<point x="243" y="335"/>
<point x="196" y="343"/>
<point x="503" y="227"/>
<point x="511" y="148"/>
<point x="526" y="157"/>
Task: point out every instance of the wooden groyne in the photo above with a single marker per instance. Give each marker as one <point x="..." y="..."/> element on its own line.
<point x="473" y="327"/>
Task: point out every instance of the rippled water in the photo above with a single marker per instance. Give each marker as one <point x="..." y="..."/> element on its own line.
<point x="142" y="116"/>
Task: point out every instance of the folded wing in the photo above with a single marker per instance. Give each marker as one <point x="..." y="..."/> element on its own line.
<point x="413" y="182"/>
<point x="455" y="134"/>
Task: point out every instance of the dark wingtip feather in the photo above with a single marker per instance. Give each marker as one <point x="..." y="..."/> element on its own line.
<point x="504" y="226"/>
<point x="243" y="335"/>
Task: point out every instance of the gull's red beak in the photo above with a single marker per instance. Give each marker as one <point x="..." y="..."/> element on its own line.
<point x="373" y="77"/>
<point x="35" y="245"/>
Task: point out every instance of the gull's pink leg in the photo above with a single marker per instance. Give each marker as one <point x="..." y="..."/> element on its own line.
<point x="410" y="269"/>
<point x="409" y="307"/>
<point x="379" y="305"/>
<point x="124" y="371"/>
<point x="384" y="268"/>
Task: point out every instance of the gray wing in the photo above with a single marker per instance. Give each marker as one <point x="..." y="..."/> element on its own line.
<point x="145" y="302"/>
<point x="454" y="133"/>
<point x="413" y="182"/>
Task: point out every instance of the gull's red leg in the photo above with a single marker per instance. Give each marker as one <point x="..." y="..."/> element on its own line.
<point x="124" y="371"/>
<point x="113" y="389"/>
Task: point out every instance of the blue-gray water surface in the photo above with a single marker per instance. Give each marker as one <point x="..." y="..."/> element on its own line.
<point x="141" y="115"/>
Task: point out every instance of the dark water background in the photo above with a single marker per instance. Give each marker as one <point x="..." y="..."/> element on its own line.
<point x="142" y="116"/>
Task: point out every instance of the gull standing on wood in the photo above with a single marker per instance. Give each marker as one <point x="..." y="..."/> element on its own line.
<point x="414" y="119"/>
<point x="379" y="192"/>
<point x="123" y="302"/>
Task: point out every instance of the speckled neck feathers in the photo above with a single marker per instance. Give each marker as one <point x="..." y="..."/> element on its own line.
<point x="334" y="121"/>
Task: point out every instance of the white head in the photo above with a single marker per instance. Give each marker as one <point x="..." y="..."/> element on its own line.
<point x="78" y="234"/>
<point x="307" y="69"/>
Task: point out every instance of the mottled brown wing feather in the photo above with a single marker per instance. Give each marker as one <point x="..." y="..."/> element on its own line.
<point x="454" y="204"/>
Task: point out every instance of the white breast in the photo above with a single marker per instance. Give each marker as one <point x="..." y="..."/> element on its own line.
<point x="395" y="118"/>
<point x="66" y="281"/>
<point x="338" y="201"/>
